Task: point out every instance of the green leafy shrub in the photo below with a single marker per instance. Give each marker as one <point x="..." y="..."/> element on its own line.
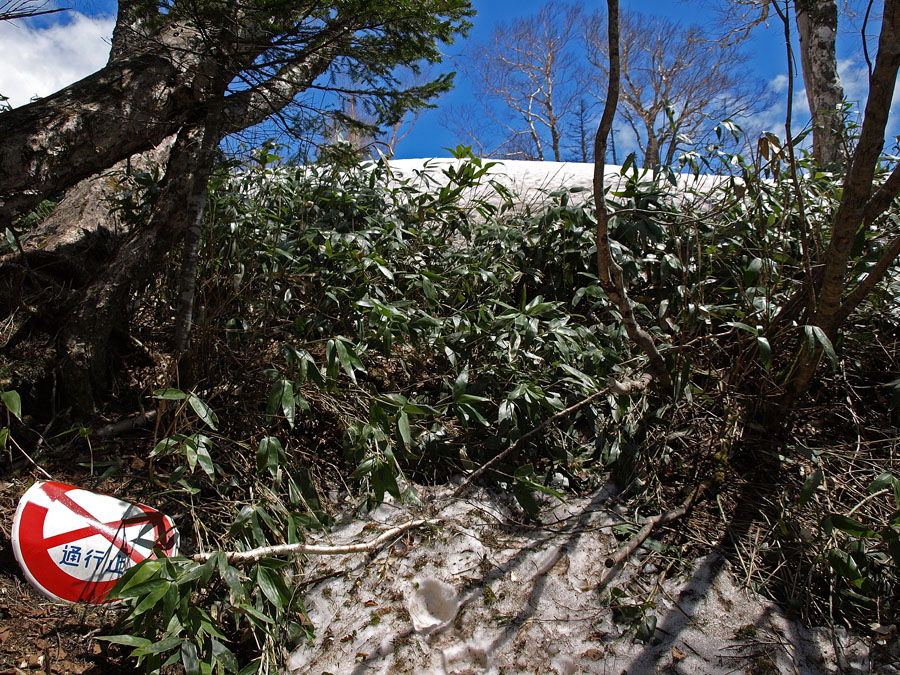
<point x="437" y="329"/>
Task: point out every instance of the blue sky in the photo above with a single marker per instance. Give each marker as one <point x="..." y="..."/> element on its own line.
<point x="42" y="55"/>
<point x="766" y="46"/>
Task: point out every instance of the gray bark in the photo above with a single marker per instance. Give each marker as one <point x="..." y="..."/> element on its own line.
<point x="191" y="214"/>
<point x="86" y="334"/>
<point x="127" y="107"/>
<point x="817" y="26"/>
<point x="133" y="105"/>
<point x="81" y="246"/>
<point x="165" y="79"/>
<point x="651" y="153"/>
<point x="128" y="33"/>
<point x="84" y="213"/>
<point x="857" y="197"/>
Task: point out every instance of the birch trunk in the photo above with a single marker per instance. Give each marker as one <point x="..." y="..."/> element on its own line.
<point x="817" y="26"/>
<point x="857" y="202"/>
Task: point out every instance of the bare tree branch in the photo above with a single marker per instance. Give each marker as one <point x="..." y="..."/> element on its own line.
<point x="624" y="552"/>
<point x="676" y="84"/>
<point x="11" y="10"/>
<point x="888" y="257"/>
<point x="529" y="69"/>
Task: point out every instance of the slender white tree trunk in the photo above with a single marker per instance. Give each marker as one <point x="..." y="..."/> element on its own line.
<point x="817" y="26"/>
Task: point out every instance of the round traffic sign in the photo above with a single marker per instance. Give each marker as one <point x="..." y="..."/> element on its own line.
<point x="73" y="544"/>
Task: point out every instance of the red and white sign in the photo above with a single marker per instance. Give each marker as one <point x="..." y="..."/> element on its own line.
<point x="73" y="545"/>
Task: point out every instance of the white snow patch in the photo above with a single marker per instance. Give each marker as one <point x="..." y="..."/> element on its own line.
<point x="432" y="605"/>
<point x="533" y="184"/>
<point x="488" y="593"/>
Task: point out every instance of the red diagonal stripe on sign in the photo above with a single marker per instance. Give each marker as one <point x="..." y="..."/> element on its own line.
<point x="80" y="533"/>
<point x="112" y="531"/>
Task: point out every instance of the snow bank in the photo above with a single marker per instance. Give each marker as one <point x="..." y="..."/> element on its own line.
<point x="533" y="182"/>
<point x="488" y="593"/>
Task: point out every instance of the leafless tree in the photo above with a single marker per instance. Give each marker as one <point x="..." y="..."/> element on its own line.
<point x="10" y="10"/>
<point x="676" y="84"/>
<point x="526" y="81"/>
<point x="581" y="132"/>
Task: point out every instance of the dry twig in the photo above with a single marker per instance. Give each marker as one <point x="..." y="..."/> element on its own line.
<point x="128" y="424"/>
<point x="613" y="561"/>
<point x="315" y="549"/>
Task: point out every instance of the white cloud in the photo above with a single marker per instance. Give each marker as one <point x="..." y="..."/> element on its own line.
<point x="41" y="61"/>
<point x="854" y="74"/>
<point x="625" y="141"/>
<point x="800" y="106"/>
<point x="779" y="83"/>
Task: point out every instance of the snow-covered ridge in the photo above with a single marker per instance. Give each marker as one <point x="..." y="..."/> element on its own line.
<point x="532" y="181"/>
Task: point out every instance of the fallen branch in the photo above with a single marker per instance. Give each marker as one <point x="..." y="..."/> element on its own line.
<point x="28" y="457"/>
<point x="625" y="551"/>
<point x="120" y="427"/>
<point x="314" y="549"/>
<point x="626" y="387"/>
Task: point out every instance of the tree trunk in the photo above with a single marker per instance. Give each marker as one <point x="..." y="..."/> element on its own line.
<point x="192" y="215"/>
<point x="84" y="212"/>
<point x="51" y="144"/>
<point x="857" y="195"/>
<point x="87" y="332"/>
<point x="671" y="150"/>
<point x="651" y="154"/>
<point x="609" y="272"/>
<point x="555" y="139"/>
<point x="128" y="33"/>
<point x="82" y="248"/>
<point x="817" y="25"/>
<point x="165" y="74"/>
<point x="132" y="105"/>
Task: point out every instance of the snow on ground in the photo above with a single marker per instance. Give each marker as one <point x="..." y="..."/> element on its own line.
<point x="486" y="592"/>
<point x="533" y="182"/>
